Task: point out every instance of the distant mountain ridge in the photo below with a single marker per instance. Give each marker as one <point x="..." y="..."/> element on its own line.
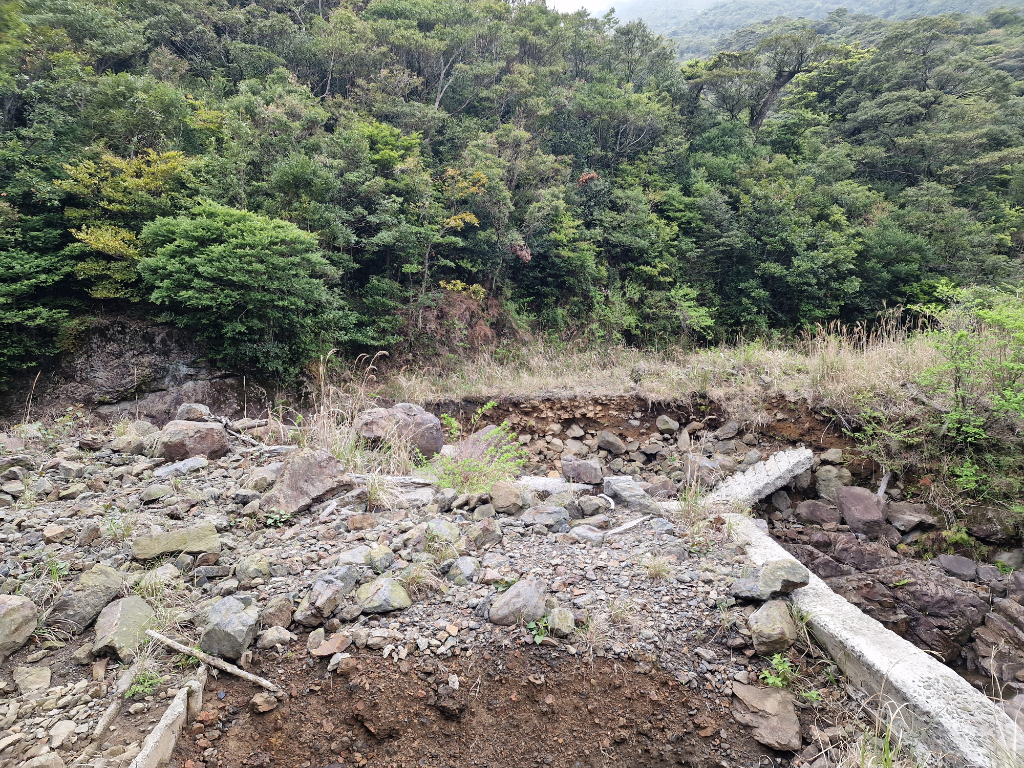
<point x="701" y="26"/>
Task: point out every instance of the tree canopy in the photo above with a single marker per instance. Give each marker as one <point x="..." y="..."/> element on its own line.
<point x="366" y="162"/>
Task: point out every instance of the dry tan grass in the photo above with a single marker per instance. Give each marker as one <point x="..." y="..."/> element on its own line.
<point x="329" y="425"/>
<point x="839" y="367"/>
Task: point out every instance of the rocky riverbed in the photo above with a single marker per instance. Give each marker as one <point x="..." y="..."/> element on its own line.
<point x="275" y="558"/>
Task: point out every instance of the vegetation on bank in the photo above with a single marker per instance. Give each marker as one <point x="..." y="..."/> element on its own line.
<point x="391" y="174"/>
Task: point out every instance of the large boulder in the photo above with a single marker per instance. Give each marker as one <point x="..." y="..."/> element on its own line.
<point x="383" y="595"/>
<point x="230" y="628"/>
<point x="524" y="601"/>
<point x="582" y="471"/>
<point x="82" y="602"/>
<point x="307" y="477"/>
<point x="861" y="509"/>
<point x="196" y="539"/>
<point x="18" y="621"/>
<point x="772" y="628"/>
<point x="121" y="627"/>
<point x="180" y="440"/>
<point x="404" y="421"/>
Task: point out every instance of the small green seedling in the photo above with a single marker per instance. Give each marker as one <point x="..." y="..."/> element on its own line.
<point x="782" y="673"/>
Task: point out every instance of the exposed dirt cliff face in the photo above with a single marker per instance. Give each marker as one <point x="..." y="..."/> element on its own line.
<point x="123" y="365"/>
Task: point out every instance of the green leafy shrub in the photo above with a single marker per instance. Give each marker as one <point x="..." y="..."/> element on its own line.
<point x="251" y="287"/>
<point x="481" y="460"/>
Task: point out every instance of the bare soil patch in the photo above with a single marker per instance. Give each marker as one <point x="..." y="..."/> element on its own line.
<point x="525" y="708"/>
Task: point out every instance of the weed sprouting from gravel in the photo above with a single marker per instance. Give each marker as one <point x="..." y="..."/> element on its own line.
<point x="422" y="580"/>
<point x="656" y="568"/>
<point x="118" y="524"/>
<point x="593" y="635"/>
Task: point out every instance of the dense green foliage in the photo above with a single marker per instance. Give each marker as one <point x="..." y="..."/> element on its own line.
<point x="287" y="179"/>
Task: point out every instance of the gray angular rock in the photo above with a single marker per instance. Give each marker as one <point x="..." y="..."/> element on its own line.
<point x="263" y="478"/>
<point x="463" y="571"/>
<point x="383" y="595"/>
<point x="307" y="476"/>
<point x="79" y="604"/>
<point x="813" y="512"/>
<point x="155" y="493"/>
<point x="121" y="627"/>
<point x="861" y="509"/>
<point x="275" y="636"/>
<point x="380" y="558"/>
<point x="181" y="467"/>
<point x="230" y="628"/>
<point x="772" y="628"/>
<point x="254" y="566"/>
<point x="588" y="534"/>
<point x="31" y="679"/>
<point x="192" y="412"/>
<point x="728" y="430"/>
<point x="774" y="578"/>
<point x="484" y="533"/>
<point x="506" y="499"/>
<point x="561" y="622"/>
<point x="440" y="529"/>
<point x="555" y="519"/>
<point x="582" y="470"/>
<point x="277" y="612"/>
<point x="828" y="478"/>
<point x="523" y="601"/>
<point x="627" y="492"/>
<point x="609" y="442"/>
<point x="905" y="516"/>
<point x="18" y="620"/>
<point x="771" y="713"/>
<point x="962" y="568"/>
<point x="326" y="595"/>
<point x="666" y="425"/>
<point x="180" y="440"/>
<point x="195" y="539"/>
<point x="406" y="421"/>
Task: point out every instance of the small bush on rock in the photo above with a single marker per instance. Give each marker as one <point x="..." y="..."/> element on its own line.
<point x="481" y="461"/>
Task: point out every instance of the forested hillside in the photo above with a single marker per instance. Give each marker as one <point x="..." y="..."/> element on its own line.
<point x="288" y="179"/>
<point x="704" y="26"/>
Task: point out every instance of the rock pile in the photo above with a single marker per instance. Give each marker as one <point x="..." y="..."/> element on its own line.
<point x="265" y="546"/>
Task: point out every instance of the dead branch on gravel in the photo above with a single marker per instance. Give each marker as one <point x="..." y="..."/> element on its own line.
<point x="213" y="661"/>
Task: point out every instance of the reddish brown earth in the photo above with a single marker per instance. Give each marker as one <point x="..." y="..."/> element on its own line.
<point x="524" y="708"/>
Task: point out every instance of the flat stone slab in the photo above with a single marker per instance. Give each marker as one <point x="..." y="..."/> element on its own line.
<point x="199" y="538"/>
